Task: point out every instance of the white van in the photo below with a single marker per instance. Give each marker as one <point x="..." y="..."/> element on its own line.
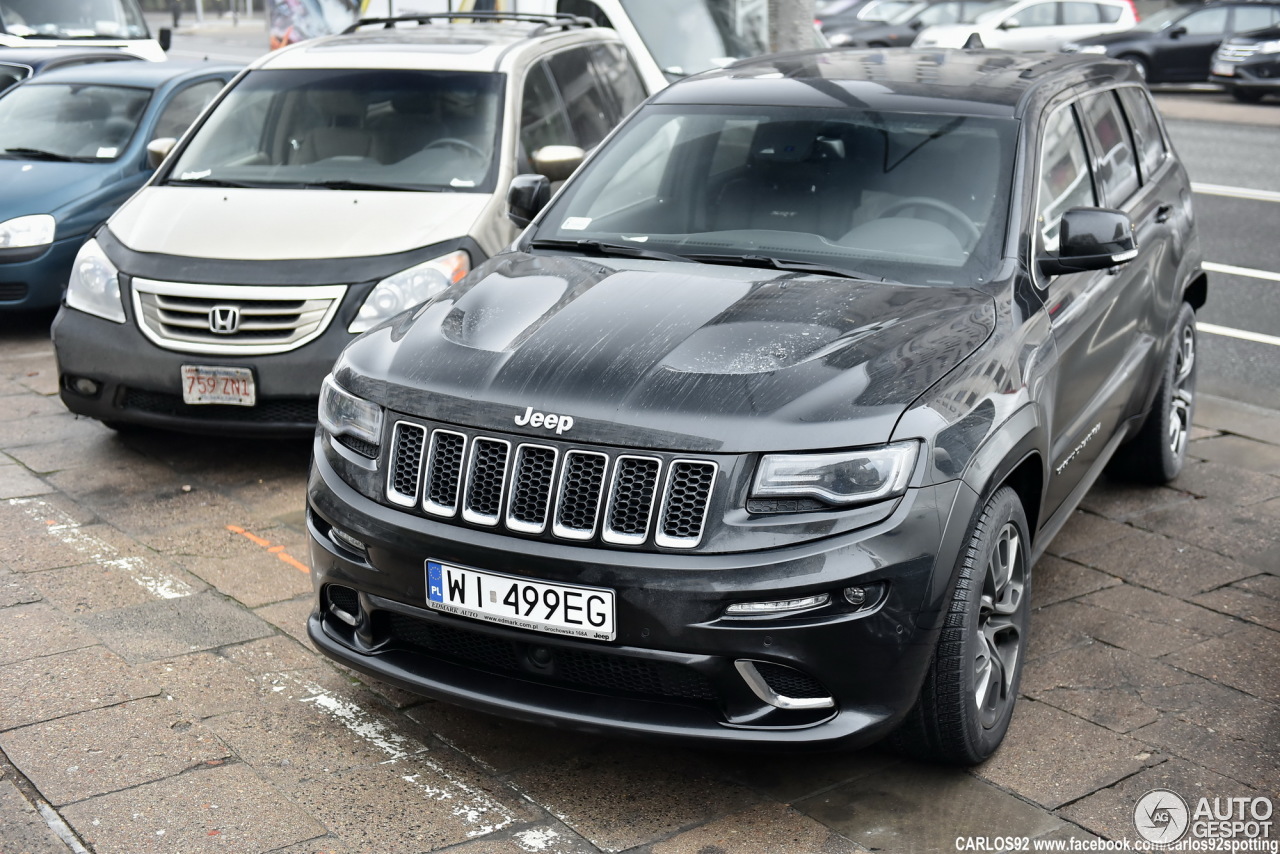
<point x="80" y="23"/>
<point x="332" y="185"/>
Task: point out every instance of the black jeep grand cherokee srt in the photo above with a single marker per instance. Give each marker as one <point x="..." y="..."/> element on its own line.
<point x="756" y="433"/>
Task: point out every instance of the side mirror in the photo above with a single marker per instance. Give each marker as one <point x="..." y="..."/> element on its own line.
<point x="557" y="162"/>
<point x="166" y="38"/>
<point x="1091" y="239"/>
<point x="158" y="149"/>
<point x="527" y="195"/>
<point x="1177" y="32"/>
<point x="1011" y="24"/>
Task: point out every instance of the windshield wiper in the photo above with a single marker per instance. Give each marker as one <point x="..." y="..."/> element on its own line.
<point x="771" y="263"/>
<point x="209" y="182"/>
<point x="39" y="154"/>
<point x="600" y="247"/>
<point x="347" y="184"/>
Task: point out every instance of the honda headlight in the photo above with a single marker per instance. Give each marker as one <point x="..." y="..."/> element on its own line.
<point x="845" y="477"/>
<point x="27" y="231"/>
<point x="409" y="288"/>
<point x="343" y="414"/>
<point x="94" y="286"/>
<point x="1269" y="47"/>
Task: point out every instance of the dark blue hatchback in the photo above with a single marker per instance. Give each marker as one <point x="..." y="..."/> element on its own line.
<point x="72" y="149"/>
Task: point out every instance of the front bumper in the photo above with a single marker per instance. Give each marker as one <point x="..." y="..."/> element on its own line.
<point x="674" y="668"/>
<point x="141" y="383"/>
<point x="35" y="278"/>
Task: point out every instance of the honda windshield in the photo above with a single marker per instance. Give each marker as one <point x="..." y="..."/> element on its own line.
<point x="350" y="129"/>
<point x="871" y="191"/>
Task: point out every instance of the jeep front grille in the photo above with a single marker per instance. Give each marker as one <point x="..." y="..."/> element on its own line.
<point x="254" y="320"/>
<point x="570" y="493"/>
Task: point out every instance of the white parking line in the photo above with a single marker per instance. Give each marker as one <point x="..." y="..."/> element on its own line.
<point x="1241" y="271"/>
<point x="1256" y="337"/>
<point x="1235" y="192"/>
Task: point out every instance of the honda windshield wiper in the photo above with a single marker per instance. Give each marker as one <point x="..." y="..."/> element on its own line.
<point x="347" y="184"/>
<point x="210" y="182"/>
<point x="40" y="154"/>
<point x="600" y="247"/>
<point x="769" y="262"/>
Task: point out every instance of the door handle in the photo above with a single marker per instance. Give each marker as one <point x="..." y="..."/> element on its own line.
<point x="1163" y="213"/>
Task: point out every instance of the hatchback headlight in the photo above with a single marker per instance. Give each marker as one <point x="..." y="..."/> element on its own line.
<point x="1269" y="47"/>
<point x="1092" y="48"/>
<point x="409" y="288"/>
<point x="846" y="477"/>
<point x="27" y="231"/>
<point x="94" y="286"/>
<point x="342" y="413"/>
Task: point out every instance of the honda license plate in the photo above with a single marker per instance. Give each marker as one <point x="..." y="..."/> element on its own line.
<point x="540" y="606"/>
<point x="209" y="384"/>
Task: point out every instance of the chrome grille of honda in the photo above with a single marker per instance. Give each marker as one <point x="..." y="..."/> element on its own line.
<point x="1231" y="52"/>
<point x="233" y="319"/>
<point x="569" y="493"/>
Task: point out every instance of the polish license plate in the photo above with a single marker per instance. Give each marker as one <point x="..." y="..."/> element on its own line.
<point x="208" y="384"/>
<point x="1224" y="69"/>
<point x="540" y="606"/>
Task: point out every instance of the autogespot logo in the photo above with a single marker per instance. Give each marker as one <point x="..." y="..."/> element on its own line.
<point x="1161" y="816"/>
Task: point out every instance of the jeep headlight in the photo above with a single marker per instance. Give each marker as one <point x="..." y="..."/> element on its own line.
<point x="409" y="288"/>
<point x="342" y="413"/>
<point x="1269" y="47"/>
<point x="27" y="231"/>
<point x="844" y="477"/>
<point x="94" y="286"/>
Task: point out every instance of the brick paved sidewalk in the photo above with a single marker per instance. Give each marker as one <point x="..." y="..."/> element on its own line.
<point x="157" y="692"/>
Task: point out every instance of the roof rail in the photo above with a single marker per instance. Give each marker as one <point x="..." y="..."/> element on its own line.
<point x="549" y="21"/>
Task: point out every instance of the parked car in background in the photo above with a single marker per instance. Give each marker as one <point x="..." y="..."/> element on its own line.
<point x="1248" y="65"/>
<point x="902" y="29"/>
<point x="338" y="182"/>
<point x="1177" y="44"/>
<point x="73" y="147"/>
<point x="755" y="434"/>
<point x="1035" y="25"/>
<point x="80" y="23"/>
<point x="17" y="64"/>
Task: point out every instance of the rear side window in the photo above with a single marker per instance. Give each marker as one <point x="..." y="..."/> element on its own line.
<point x="1065" y="182"/>
<point x="543" y="120"/>
<point x="1146" y="130"/>
<point x="591" y="111"/>
<point x="1037" y="15"/>
<point x="619" y="76"/>
<point x="1254" y="18"/>
<point x="183" y="108"/>
<point x="1116" y="166"/>
<point x="1079" y="13"/>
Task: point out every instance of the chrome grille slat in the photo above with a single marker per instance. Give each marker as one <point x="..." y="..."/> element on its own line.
<point x="1237" y="52"/>
<point x="626" y="517"/>
<point x="550" y="490"/>
<point x="486" y="479"/>
<point x="405" y="470"/>
<point x="444" y="472"/>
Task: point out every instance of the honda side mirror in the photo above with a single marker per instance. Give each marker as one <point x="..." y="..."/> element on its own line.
<point x="1091" y="239"/>
<point x="158" y="149"/>
<point x="557" y="162"/>
<point x="527" y="196"/>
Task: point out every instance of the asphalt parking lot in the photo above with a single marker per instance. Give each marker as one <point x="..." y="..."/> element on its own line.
<point x="158" y="693"/>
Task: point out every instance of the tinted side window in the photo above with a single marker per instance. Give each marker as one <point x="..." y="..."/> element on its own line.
<point x="1253" y="18"/>
<point x="1038" y="15"/>
<point x="619" y="76"/>
<point x="1146" y="130"/>
<point x="591" y="112"/>
<point x="1116" y="167"/>
<point x="1065" y="181"/>
<point x="1206" y="22"/>
<point x="543" y="120"/>
<point x="183" y="108"/>
<point x="1079" y="13"/>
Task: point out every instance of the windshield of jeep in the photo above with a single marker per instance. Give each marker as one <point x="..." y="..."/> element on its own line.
<point x="351" y="129"/>
<point x="905" y="196"/>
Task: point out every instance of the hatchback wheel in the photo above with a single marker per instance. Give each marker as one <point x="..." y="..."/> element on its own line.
<point x="967" y="699"/>
<point x="1158" y="451"/>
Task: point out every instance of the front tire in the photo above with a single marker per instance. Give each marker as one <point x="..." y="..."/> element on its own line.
<point x="1246" y="96"/>
<point x="1159" y="450"/>
<point x="967" y="699"/>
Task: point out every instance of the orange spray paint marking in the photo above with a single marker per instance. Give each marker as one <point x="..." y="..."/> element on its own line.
<point x="278" y="551"/>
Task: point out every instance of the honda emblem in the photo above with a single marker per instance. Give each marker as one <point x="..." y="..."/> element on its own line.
<point x="224" y="319"/>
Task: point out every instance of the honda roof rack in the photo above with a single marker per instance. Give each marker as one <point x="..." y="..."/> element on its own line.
<point x="558" y="20"/>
